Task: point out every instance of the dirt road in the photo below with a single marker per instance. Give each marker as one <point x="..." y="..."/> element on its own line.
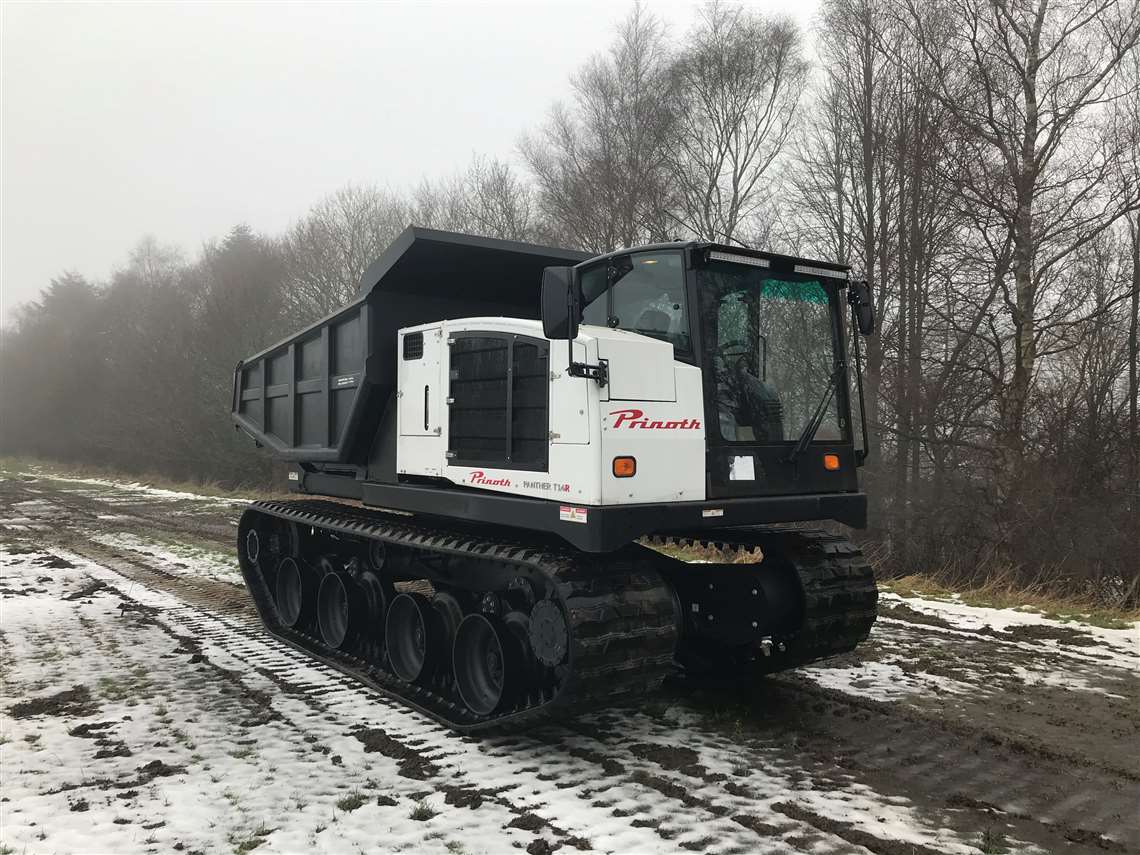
<point x="143" y="709"/>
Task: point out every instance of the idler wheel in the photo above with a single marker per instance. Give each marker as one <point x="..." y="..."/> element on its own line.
<point x="486" y="660"/>
<point x="338" y="609"/>
<point x="413" y="634"/>
<point x="252" y="545"/>
<point x="548" y="637"/>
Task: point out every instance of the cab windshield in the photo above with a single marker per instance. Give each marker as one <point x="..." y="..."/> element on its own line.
<point x="770" y="343"/>
<point x="643" y="292"/>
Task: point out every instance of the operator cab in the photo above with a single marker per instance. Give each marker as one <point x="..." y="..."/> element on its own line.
<point x="769" y="334"/>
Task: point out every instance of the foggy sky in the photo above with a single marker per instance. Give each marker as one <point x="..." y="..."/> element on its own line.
<point x="183" y="120"/>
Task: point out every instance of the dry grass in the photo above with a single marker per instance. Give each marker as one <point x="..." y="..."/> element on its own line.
<point x="1002" y="593"/>
<point x="701" y="554"/>
<point x="13" y="466"/>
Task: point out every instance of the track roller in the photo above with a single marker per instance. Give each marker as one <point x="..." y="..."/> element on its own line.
<point x="414" y="633"/>
<point x="339" y="613"/>
<point x="293" y="592"/>
<point x="487" y="662"/>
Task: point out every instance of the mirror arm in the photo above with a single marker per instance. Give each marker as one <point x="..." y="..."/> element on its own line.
<point x="600" y="373"/>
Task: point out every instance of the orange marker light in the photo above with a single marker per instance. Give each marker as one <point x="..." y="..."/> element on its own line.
<point x="831" y="462"/>
<point x="625" y="467"/>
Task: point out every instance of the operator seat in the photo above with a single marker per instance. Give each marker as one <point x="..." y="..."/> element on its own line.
<point x="749" y="408"/>
<point x="654" y="321"/>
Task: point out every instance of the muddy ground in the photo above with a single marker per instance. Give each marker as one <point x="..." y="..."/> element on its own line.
<point x="143" y="709"/>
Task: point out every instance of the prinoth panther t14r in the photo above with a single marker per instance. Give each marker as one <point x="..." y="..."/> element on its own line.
<point x="549" y="480"/>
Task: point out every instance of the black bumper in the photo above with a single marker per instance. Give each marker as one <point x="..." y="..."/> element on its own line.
<point x="599" y="528"/>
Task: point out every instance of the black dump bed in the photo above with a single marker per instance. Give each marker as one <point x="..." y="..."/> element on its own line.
<point x="318" y="396"/>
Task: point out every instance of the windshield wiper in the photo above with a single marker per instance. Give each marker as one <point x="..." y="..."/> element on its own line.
<point x="816" y="420"/>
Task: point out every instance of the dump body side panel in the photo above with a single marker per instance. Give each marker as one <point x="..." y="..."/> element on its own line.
<point x="305" y="397"/>
<point x="320" y="396"/>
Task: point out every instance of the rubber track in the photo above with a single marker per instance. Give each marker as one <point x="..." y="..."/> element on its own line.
<point x="839" y="590"/>
<point x="620" y="612"/>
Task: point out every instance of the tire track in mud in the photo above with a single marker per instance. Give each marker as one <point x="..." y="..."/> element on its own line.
<point x="991" y="636"/>
<point x="233" y="631"/>
<point x="602" y="765"/>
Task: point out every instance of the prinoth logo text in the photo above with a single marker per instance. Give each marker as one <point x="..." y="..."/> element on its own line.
<point x="480" y="477"/>
<point x="636" y="420"/>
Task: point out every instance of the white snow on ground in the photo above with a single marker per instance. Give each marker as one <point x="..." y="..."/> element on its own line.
<point x="1096" y="660"/>
<point x="1123" y="644"/>
<point x="248" y="762"/>
<point x="1063" y="680"/>
<point x="236" y="773"/>
<point x="880" y="681"/>
<point x="773" y="782"/>
<point x="180" y="558"/>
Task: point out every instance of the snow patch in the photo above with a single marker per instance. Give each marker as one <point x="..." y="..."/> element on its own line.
<point x="879" y="681"/>
<point x="1122" y="644"/>
<point x="178" y="558"/>
<point x="139" y="489"/>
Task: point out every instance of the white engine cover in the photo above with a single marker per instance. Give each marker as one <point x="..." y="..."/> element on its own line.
<point x="652" y="410"/>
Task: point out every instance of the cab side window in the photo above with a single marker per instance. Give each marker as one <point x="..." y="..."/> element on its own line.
<point x="649" y="297"/>
<point x="643" y="292"/>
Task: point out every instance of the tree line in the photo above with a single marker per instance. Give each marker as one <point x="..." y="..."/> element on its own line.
<point x="978" y="162"/>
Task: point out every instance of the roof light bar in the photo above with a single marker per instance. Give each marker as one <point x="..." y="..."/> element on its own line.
<point x="717" y="255"/>
<point x="820" y="271"/>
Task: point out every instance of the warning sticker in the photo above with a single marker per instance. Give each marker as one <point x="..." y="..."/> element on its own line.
<point x="566" y="513"/>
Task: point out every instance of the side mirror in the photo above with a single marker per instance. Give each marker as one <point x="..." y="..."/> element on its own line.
<point x="859" y="296"/>
<point x="561" y="303"/>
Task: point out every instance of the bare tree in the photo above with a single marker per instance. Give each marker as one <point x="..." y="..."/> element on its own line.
<point x="328" y="249"/>
<point x="600" y="165"/>
<point x="1128" y="127"/>
<point x="1025" y="80"/>
<point x="738" y="81"/>
<point x="490" y="198"/>
<point x="842" y="184"/>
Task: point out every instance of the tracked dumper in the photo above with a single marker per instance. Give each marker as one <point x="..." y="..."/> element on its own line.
<point x="547" y="481"/>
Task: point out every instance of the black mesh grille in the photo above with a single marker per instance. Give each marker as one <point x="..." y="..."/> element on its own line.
<point x="498" y="413"/>
<point x="529" y="433"/>
<point x="414" y="345"/>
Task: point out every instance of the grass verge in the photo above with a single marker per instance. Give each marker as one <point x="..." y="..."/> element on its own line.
<point x="11" y="467"/>
<point x="1001" y="595"/>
